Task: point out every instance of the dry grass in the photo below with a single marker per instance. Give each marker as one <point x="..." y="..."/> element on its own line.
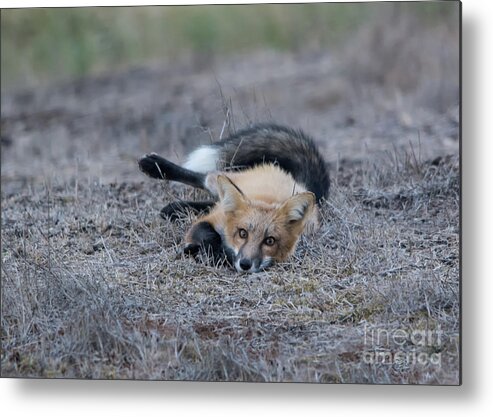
<point x="94" y="287"/>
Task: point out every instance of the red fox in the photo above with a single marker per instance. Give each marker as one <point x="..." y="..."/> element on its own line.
<point x="266" y="182"/>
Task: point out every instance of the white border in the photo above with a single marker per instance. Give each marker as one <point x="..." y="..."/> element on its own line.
<point x="87" y="398"/>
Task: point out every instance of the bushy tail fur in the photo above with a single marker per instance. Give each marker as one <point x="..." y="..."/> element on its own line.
<point x="292" y="150"/>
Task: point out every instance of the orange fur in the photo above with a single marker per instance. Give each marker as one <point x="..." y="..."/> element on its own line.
<point x="260" y="215"/>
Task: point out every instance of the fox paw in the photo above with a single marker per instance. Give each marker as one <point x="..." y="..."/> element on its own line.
<point x="150" y="165"/>
<point x="191" y="249"/>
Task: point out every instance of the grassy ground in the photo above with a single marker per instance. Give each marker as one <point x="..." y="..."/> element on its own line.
<point x="93" y="282"/>
<point x="94" y="287"/>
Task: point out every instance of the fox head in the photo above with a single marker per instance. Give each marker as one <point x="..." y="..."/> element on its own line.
<point x="259" y="233"/>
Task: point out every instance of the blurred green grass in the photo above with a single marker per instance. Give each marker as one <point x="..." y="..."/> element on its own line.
<point x="46" y="45"/>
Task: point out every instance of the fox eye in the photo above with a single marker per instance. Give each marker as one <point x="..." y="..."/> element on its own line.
<point x="269" y="241"/>
<point x="243" y="233"/>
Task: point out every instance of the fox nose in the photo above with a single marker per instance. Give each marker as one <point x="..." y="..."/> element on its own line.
<point x="245" y="264"/>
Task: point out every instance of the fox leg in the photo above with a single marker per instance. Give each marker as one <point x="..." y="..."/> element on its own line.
<point x="175" y="210"/>
<point x="204" y="238"/>
<point x="158" y="167"/>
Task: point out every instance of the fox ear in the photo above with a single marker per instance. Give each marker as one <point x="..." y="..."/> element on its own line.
<point x="296" y="209"/>
<point x="230" y="196"/>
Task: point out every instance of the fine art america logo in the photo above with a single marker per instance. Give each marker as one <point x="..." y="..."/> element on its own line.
<point x="402" y="347"/>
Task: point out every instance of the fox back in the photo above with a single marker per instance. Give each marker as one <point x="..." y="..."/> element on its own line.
<point x="292" y="150"/>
